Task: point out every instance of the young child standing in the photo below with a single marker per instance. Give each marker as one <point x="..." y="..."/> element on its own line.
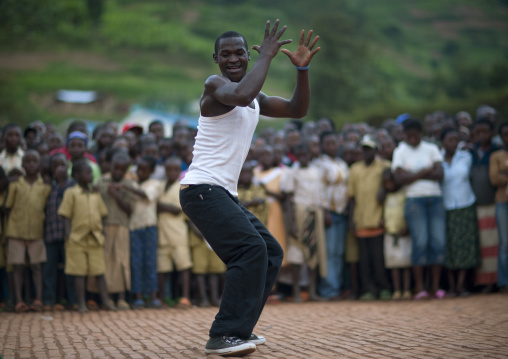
<point x="119" y="203"/>
<point x="76" y="146"/>
<point x="54" y="235"/>
<point x="12" y="155"/>
<point x="4" y="188"/>
<point x="397" y="242"/>
<point x="84" y="210"/>
<point x="251" y="196"/>
<point x="206" y="264"/>
<point x="25" y="228"/>
<point x="303" y="182"/>
<point x="173" y="248"/>
<point x="268" y="175"/>
<point x="143" y="234"/>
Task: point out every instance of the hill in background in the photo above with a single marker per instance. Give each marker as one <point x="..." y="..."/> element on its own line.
<point x="378" y="58"/>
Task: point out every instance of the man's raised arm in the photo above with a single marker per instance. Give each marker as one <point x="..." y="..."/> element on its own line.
<point x="298" y="105"/>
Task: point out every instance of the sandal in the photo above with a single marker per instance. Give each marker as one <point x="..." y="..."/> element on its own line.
<point x="440" y="294"/>
<point x="37" y="306"/>
<point x="92" y="305"/>
<point x="58" y="308"/>
<point x="138" y="304"/>
<point x="21" y="307"/>
<point x="421" y="295"/>
<point x="184" y="303"/>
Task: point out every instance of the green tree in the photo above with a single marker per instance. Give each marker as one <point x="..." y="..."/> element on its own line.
<point x="338" y="70"/>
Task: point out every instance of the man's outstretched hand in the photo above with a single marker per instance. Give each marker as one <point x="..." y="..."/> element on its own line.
<point x="271" y="43"/>
<point x="304" y="53"/>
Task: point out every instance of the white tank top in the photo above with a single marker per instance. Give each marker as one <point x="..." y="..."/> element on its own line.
<point x="221" y="147"/>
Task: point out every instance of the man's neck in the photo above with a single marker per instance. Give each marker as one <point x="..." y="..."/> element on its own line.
<point x="62" y="181"/>
<point x="84" y="186"/>
<point x="11" y="151"/>
<point x="169" y="183"/>
<point x="31" y="178"/>
<point x="485" y="146"/>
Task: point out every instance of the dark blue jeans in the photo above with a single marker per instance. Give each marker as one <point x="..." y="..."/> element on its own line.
<point x="252" y="255"/>
<point x="143" y="246"/>
<point x="502" y="227"/>
<point x="330" y="286"/>
<point x="55" y="253"/>
<point x="426" y="219"/>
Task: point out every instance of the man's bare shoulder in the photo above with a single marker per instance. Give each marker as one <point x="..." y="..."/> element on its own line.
<point x="214" y="82"/>
<point x="210" y="103"/>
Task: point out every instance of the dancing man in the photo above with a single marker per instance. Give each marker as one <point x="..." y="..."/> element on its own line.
<point x="230" y="107"/>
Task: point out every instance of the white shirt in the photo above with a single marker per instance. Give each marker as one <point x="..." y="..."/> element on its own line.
<point x="305" y="184"/>
<point x="414" y="159"/>
<point x="221" y="147"/>
<point x="144" y="211"/>
<point x="334" y="175"/>
<point x="457" y="190"/>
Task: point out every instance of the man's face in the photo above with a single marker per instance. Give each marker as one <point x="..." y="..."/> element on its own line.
<point x="387" y="148"/>
<point x="85" y="176"/>
<point x="31" y="138"/>
<point x="233" y="58"/>
<point x="482" y="133"/>
<point x="106" y="137"/>
<point x="13" y="138"/>
<point x="31" y="163"/>
<point x="118" y="170"/>
<point x="55" y="141"/>
<point x="245" y="177"/>
<point x="413" y="137"/>
<point x="450" y="142"/>
<point x="151" y="150"/>
<point x="266" y="158"/>
<point x="76" y="148"/>
<point x="304" y="158"/>
<point x="314" y="147"/>
<point x="293" y="138"/>
<point x="330" y="146"/>
<point x="157" y="130"/>
<point x="368" y="154"/>
<point x="173" y="171"/>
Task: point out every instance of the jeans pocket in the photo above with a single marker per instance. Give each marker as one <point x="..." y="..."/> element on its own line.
<point x="190" y="194"/>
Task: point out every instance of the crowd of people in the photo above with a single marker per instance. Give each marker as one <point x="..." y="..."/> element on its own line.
<point x="410" y="210"/>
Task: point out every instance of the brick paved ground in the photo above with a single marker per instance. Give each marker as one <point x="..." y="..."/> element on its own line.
<point x="456" y="328"/>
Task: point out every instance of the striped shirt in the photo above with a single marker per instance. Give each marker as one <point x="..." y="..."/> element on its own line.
<point x="54" y="224"/>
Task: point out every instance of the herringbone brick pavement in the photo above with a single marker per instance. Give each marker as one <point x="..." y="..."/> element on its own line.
<point x="474" y="327"/>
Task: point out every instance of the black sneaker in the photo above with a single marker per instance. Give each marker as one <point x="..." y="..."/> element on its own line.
<point x="256" y="339"/>
<point x="229" y="346"/>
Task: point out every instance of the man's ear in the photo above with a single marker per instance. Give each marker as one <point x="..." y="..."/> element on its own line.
<point x="215" y="58"/>
<point x="248" y="55"/>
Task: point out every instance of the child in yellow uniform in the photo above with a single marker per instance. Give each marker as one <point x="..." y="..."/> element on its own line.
<point x="397" y="242"/>
<point x="26" y="200"/>
<point x="84" y="210"/>
<point x="119" y="203"/>
<point x="251" y="196"/>
<point x="206" y="264"/>
<point x="173" y="248"/>
<point x="4" y="185"/>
